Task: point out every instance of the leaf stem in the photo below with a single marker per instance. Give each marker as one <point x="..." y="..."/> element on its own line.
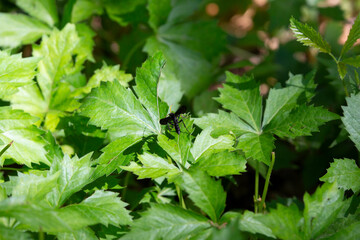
<point x="126" y="182"/>
<point x="5" y="148"/>
<point x="256" y="197"/>
<point x="267" y="181"/>
<point x="180" y="196"/>
<point x="342" y="79"/>
<point x="331" y="55"/>
<point x="41" y="234"/>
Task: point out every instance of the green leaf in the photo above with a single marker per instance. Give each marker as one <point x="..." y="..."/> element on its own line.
<point x="85" y="47"/>
<point x="32" y="187"/>
<point x="116" y="108"/>
<point x="189" y="61"/>
<point x="353" y="61"/>
<point x="74" y="175"/>
<point x="194" y="34"/>
<point x="342" y="70"/>
<point x="15" y="72"/>
<point x="84" y="9"/>
<point x="351" y="118"/>
<point x="107" y="73"/>
<point x="153" y="167"/>
<point x="224" y="123"/>
<point x="103" y="207"/>
<point x="17" y="29"/>
<point x="147" y="78"/>
<point x="345" y="172"/>
<point x="159" y="11"/>
<point x="164" y="221"/>
<point x="44" y="10"/>
<point x="205" y="192"/>
<point x="222" y="164"/>
<point x="178" y="146"/>
<point x="256" y="146"/>
<point x="349" y="232"/>
<point x="301" y="121"/>
<point x="185" y="65"/>
<point x="120" y="11"/>
<point x="182" y="9"/>
<point x="282" y="100"/>
<point x="353" y="36"/>
<point x="57" y="96"/>
<point x="241" y="95"/>
<point x="13" y="234"/>
<point x="308" y="36"/>
<point x="113" y="155"/>
<point x="205" y="145"/>
<point x="28" y="146"/>
<point x="56" y="52"/>
<point x="85" y="233"/>
<point x="321" y="209"/>
<point x="285" y="222"/>
<point x="250" y="222"/>
<point x="29" y="99"/>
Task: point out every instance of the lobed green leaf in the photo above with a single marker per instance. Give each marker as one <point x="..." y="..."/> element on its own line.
<point x="74" y="175"/>
<point x="351" y="118"/>
<point x="301" y="121"/>
<point x="205" y="145"/>
<point x="345" y="172"/>
<point x="352" y="37"/>
<point x="164" y="221"/>
<point x="15" y="72"/>
<point x="222" y="164"/>
<point x="308" y="36"/>
<point x="17" y="126"/>
<point x="153" y="167"/>
<point x="44" y="10"/>
<point x="17" y="29"/>
<point x="241" y="95"/>
<point x="321" y="209"/>
<point x="298" y="90"/>
<point x="256" y="146"/>
<point x="205" y="192"/>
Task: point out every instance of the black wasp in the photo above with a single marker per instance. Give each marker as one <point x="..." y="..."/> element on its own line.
<point x="173" y="119"/>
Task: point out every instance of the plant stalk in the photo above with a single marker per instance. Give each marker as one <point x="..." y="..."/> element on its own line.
<point x="256" y="197"/>
<point x="126" y="182"/>
<point x="5" y="148"/>
<point x="337" y="61"/>
<point x="181" y="197"/>
<point x="267" y="181"/>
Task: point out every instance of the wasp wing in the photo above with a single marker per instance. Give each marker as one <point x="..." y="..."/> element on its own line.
<point x="165" y="121"/>
<point x="181" y="110"/>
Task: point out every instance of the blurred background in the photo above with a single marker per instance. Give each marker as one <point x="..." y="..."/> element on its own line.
<point x="203" y="39"/>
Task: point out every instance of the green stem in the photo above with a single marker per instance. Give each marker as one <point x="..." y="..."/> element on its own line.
<point x="6" y="148"/>
<point x="15" y="169"/>
<point x="256" y="197"/>
<point x="41" y="234"/>
<point x="126" y="182"/>
<point x="345" y="88"/>
<point x="267" y="181"/>
<point x="331" y="55"/>
<point x="181" y="197"/>
<point x="357" y="79"/>
<point x="342" y="79"/>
